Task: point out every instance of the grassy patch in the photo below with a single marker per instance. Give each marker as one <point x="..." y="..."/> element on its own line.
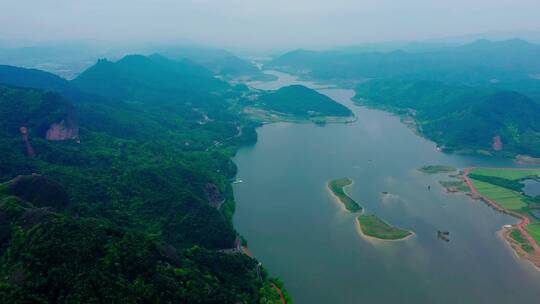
<point x="507" y="198"/>
<point x="506" y="173"/>
<point x="534" y="231"/>
<point x="337" y="187"/>
<point x="514" y="185"/>
<point x="523" y="242"/>
<point x="373" y="226"/>
<point x="455" y="186"/>
<point x="434" y="169"/>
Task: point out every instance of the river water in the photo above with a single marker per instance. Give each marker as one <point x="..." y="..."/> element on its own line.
<point x="295" y="228"/>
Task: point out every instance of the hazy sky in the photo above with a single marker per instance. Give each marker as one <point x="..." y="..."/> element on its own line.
<point x="262" y="23"/>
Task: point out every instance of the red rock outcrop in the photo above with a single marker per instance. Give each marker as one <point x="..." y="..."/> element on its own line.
<point x="29" y="149"/>
<point x="63" y="130"/>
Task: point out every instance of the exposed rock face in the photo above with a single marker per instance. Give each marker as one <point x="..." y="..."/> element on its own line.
<point x="29" y="149"/>
<point x="63" y="130"/>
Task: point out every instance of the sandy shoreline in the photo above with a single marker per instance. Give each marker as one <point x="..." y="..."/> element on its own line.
<point x="518" y="253"/>
<point x="338" y="201"/>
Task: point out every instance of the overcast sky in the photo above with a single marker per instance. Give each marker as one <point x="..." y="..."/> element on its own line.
<point x="262" y="23"/>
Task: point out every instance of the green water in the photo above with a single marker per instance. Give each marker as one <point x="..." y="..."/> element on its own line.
<point x="301" y="235"/>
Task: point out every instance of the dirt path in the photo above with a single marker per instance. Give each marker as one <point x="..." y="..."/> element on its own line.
<point x="521" y="226"/>
<point x="280" y="293"/>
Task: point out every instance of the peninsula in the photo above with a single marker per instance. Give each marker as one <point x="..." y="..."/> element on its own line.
<point x="502" y="189"/>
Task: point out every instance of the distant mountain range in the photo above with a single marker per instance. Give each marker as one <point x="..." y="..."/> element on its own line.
<point x="70" y="59"/>
<point x="479" y="63"/>
<point x="463" y="97"/>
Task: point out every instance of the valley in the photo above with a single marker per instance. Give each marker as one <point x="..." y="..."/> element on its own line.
<point x="300" y="224"/>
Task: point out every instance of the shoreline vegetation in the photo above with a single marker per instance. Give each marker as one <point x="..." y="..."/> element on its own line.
<point x="298" y="104"/>
<point x="274" y="289"/>
<point x="337" y="188"/>
<point x="266" y="116"/>
<point x="372" y="226"/>
<point x="409" y="119"/>
<point x="455" y="185"/>
<point x="498" y="188"/>
<point x="435" y="169"/>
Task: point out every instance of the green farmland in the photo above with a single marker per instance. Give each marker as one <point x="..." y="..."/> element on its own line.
<point x="505" y="197"/>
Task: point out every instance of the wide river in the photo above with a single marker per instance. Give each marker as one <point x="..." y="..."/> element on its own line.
<point x="299" y="233"/>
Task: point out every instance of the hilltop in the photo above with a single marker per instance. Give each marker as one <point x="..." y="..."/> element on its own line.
<point x="301" y="101"/>
<point x="136" y="77"/>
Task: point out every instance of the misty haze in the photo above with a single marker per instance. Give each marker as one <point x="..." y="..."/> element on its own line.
<point x="269" y="151"/>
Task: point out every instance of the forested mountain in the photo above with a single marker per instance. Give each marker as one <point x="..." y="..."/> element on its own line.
<point x="140" y="77"/>
<point x="481" y="62"/>
<point x="301" y="101"/>
<point x="461" y="117"/>
<point x="220" y="62"/>
<point x="479" y="96"/>
<point x="124" y="211"/>
<point x="32" y="78"/>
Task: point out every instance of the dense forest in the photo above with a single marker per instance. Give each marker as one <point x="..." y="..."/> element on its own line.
<point x="109" y="187"/>
<point x="461" y="117"/>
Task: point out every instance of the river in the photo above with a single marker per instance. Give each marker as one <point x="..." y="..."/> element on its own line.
<point x="302" y="236"/>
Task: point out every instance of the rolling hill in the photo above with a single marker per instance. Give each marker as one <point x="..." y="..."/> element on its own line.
<point x="301" y="101"/>
<point x="461" y="117"/>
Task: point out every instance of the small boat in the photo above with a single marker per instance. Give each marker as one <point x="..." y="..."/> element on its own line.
<point x="443" y="235"/>
<point x="237" y="181"/>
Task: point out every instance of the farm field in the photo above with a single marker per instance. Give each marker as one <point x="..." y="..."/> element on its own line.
<point x="506" y="198"/>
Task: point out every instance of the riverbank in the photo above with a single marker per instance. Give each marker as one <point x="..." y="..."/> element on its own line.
<point x="268" y="116"/>
<point x="298" y="233"/>
<point x="534" y="255"/>
<point x="517" y="248"/>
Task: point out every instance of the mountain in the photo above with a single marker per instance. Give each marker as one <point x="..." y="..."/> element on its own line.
<point x="44" y="114"/>
<point x="480" y="63"/>
<point x="220" y="62"/>
<point x="33" y="78"/>
<point x="462" y="117"/>
<point x="137" y="77"/>
<point x="123" y="214"/>
<point x="301" y="101"/>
